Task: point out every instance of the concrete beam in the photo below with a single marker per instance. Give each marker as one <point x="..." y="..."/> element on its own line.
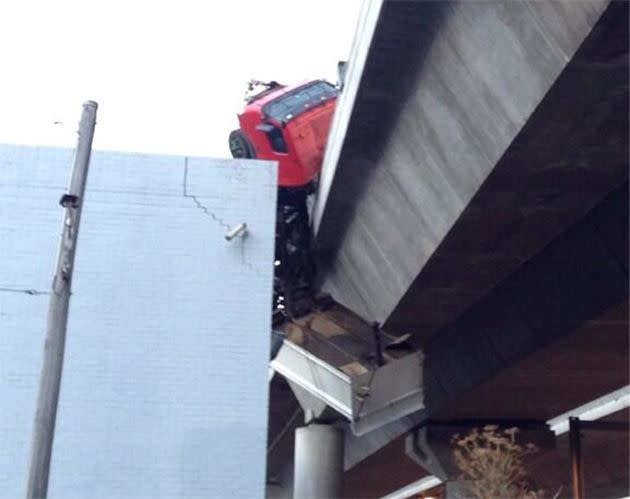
<point x="575" y="279"/>
<point x="448" y="92"/>
<point x="571" y="152"/>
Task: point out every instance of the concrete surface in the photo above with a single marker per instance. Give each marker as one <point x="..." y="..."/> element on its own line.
<point x="447" y="93"/>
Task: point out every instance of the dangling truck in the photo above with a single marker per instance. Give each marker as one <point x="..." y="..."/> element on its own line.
<point x="290" y="125"/>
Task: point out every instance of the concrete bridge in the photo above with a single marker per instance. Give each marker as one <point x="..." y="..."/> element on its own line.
<point x="475" y="196"/>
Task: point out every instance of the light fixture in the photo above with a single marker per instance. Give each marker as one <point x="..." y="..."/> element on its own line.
<point x="237" y="230"/>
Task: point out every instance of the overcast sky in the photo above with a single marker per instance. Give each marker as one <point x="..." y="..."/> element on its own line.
<point x="169" y="77"/>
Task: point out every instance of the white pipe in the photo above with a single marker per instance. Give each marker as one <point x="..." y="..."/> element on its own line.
<point x="238" y="230"/>
<point x="426" y="483"/>
<point x="596" y="409"/>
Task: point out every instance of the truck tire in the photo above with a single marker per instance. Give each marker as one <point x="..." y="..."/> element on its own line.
<point x="240" y="145"/>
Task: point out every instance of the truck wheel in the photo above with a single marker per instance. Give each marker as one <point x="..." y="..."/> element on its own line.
<point x="240" y="146"/>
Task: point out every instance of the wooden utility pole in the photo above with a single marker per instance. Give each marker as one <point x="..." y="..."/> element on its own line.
<point x="48" y="398"/>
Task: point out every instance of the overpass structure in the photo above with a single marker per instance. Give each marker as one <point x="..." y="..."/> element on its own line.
<point x="474" y="197"/>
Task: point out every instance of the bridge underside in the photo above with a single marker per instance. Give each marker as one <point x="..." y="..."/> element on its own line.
<point x="570" y="154"/>
<point x="479" y="202"/>
<point x="479" y="133"/>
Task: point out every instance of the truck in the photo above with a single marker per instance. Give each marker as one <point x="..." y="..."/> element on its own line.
<point x="290" y="125"/>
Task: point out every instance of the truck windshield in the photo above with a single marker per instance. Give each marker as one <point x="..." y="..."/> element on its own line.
<point x="294" y="103"/>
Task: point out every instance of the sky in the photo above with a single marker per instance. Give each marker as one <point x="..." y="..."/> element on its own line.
<point x="169" y="76"/>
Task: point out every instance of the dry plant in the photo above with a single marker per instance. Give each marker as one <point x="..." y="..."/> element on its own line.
<point x="491" y="461"/>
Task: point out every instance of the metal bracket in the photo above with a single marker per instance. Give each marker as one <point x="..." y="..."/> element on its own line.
<point x="369" y="400"/>
<point x="388" y="393"/>
<point x="69" y="201"/>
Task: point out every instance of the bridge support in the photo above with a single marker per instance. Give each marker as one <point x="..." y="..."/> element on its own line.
<point x="369" y="400"/>
<point x="318" y="462"/>
<point x="431" y="447"/>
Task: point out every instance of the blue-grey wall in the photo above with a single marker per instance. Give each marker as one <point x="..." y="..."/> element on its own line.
<point x="164" y="391"/>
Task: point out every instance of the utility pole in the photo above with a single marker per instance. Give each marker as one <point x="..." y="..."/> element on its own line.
<point x="50" y="380"/>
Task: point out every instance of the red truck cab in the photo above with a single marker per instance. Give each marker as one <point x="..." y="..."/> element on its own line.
<point x="289" y="125"/>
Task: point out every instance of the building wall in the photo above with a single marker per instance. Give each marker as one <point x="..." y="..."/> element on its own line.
<point x="164" y="390"/>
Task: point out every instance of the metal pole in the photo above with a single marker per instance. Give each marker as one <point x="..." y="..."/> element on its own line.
<point x="50" y="380"/>
<point x="576" y="458"/>
<point x="376" y="329"/>
<point x="318" y="462"/>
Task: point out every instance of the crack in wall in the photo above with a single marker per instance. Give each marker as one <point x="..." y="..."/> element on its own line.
<point x="244" y="259"/>
<point x="213" y="216"/>
<point x="198" y="203"/>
